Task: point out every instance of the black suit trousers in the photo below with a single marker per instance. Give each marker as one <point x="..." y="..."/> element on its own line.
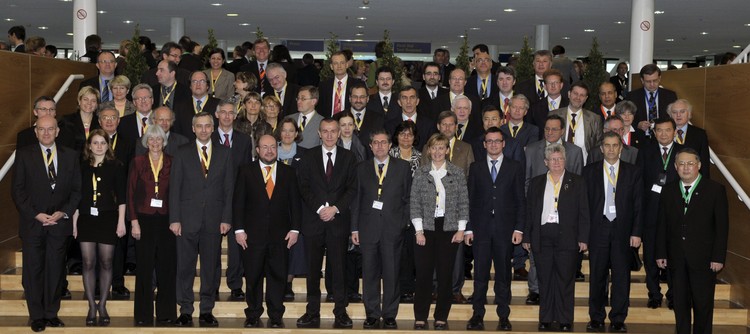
<point x="235" y="264"/>
<point x="43" y="273"/>
<point x="649" y="264"/>
<point x="155" y="252"/>
<point x="493" y="247"/>
<point x="269" y="261"/>
<point x="556" y="270"/>
<point x="606" y="255"/>
<point x="692" y="287"/>
<point x="189" y="247"/>
<point x="407" y="272"/>
<point x="381" y="260"/>
<point x="438" y="256"/>
<point x="334" y="248"/>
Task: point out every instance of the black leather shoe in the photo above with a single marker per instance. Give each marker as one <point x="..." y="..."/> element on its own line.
<point x="545" y="326"/>
<point x="618" y="327"/>
<point x="329" y="298"/>
<point x="440" y="326"/>
<point x="75" y="269"/>
<point x="420" y="327"/>
<point x="55" y="322"/>
<point x="670" y="303"/>
<point x="130" y="269"/>
<point x="185" y="320"/>
<point x="164" y="322"/>
<point x="580" y="277"/>
<point x="288" y="293"/>
<point x="252" y="323"/>
<point x="520" y="274"/>
<point x="654" y="303"/>
<point x="208" y="320"/>
<point x="566" y="327"/>
<point x="90" y="322"/>
<point x="407" y="298"/>
<point x="120" y="293"/>
<point x="504" y="325"/>
<point x="390" y="323"/>
<point x="66" y="294"/>
<point x="595" y="326"/>
<point x="371" y="323"/>
<point x="532" y="298"/>
<point x="355" y="298"/>
<point x="104" y="321"/>
<point x="342" y="321"/>
<point x="476" y="323"/>
<point x="144" y="323"/>
<point x="275" y="323"/>
<point x="39" y="325"/>
<point x="308" y="320"/>
<point x="237" y="294"/>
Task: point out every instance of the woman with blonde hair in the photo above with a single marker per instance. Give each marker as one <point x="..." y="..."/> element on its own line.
<point x="120" y="87"/>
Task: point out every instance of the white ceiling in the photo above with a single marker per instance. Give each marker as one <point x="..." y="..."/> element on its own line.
<point x="439" y="22"/>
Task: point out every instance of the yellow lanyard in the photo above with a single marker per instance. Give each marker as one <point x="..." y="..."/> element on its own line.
<point x="611" y="181"/>
<point x="556" y="188"/>
<point x="463" y="132"/>
<point x="574" y="127"/>
<point x="206" y="160"/>
<point x="155" y="170"/>
<point x="203" y="104"/>
<point x="276" y="92"/>
<point x="358" y="123"/>
<point x="114" y="142"/>
<point x="94" y="184"/>
<point x="213" y="80"/>
<point x="484" y="87"/>
<point x="515" y="133"/>
<point x="268" y="174"/>
<point x="240" y="106"/>
<point x="450" y="155"/>
<point x="87" y="129"/>
<point x="166" y="98"/>
<point x="381" y="176"/>
<point x="51" y="156"/>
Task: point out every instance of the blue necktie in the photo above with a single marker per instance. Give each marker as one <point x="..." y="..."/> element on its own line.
<point x="610" y="195"/>
<point x="493" y="172"/>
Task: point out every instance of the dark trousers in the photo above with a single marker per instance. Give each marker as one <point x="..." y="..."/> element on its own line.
<point x="381" y="260"/>
<point x="407" y="272"/>
<point x="118" y="261"/>
<point x="438" y="255"/>
<point x="269" y="261"/>
<point x="520" y="256"/>
<point x="190" y="246"/>
<point x="556" y="270"/>
<point x="649" y="264"/>
<point x="692" y="287"/>
<point x="492" y="247"/>
<point x="334" y="248"/>
<point x="155" y="252"/>
<point x="352" y="270"/>
<point x="459" y="275"/>
<point x="235" y="264"/>
<point x="43" y="273"/>
<point x="605" y="254"/>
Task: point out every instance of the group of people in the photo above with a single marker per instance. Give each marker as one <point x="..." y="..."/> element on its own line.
<point x="415" y="179"/>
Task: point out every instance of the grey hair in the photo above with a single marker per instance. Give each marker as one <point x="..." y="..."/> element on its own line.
<point x="553" y="148"/>
<point x="154" y="131"/>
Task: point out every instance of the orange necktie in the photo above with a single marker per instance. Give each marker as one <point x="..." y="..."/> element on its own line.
<point x="269" y="183"/>
<point x="337" y="103"/>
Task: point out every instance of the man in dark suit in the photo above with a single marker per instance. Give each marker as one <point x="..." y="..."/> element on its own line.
<point x="308" y="75"/>
<point x="261" y="51"/>
<point x="628" y="154"/>
<point x="608" y="98"/>
<point x="240" y="146"/>
<point x="380" y="213"/>
<point x="164" y="118"/>
<point x="384" y="102"/>
<point x="267" y="222"/>
<point x="199" y="101"/>
<point x="657" y="159"/>
<point x="174" y="95"/>
<point x="495" y="225"/>
<point x="522" y="132"/>
<point x="334" y="91"/>
<point x="200" y="212"/>
<point x="106" y="64"/>
<point x="652" y="100"/>
<point x="408" y="100"/>
<point x="615" y="190"/>
<point x="535" y="89"/>
<point x="506" y="79"/>
<point x="365" y="120"/>
<point x="430" y="90"/>
<point x="46" y="188"/>
<point x="469" y="125"/>
<point x="238" y="58"/>
<point x="327" y="182"/>
<point x="457" y="83"/>
<point x="132" y="126"/>
<point x="540" y="109"/>
<point x="170" y="51"/>
<point x="690" y="135"/>
<point x="43" y="106"/>
<point x="693" y="247"/>
<point x="482" y="83"/>
<point x="284" y="90"/>
<point x="621" y="81"/>
<point x="443" y="57"/>
<point x="512" y="150"/>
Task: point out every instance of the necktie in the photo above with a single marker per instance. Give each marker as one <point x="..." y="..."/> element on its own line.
<point x="506" y="103"/>
<point x="105" y="91"/>
<point x="269" y="183"/>
<point x="540" y="91"/>
<point x="515" y="131"/>
<point x="687" y="191"/>
<point x="432" y="95"/>
<point x="51" y="169"/>
<point x="553" y="104"/>
<point x="680" y="138"/>
<point x="483" y="89"/>
<point x="279" y="94"/>
<point x="329" y="167"/>
<point x="652" y="112"/>
<point x="359" y="118"/>
<point x="664" y="155"/>
<point x="143" y="125"/>
<point x="493" y="172"/>
<point x="337" y="99"/>
<point x="459" y="131"/>
<point x="227" y="143"/>
<point x="610" y="195"/>
<point x="572" y="129"/>
<point x="304" y="122"/>
<point x="385" y="103"/>
<point x="380" y="169"/>
<point x="262" y="75"/>
<point x="198" y="107"/>
<point x="205" y="159"/>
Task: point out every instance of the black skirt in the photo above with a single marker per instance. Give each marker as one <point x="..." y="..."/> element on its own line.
<point x="100" y="229"/>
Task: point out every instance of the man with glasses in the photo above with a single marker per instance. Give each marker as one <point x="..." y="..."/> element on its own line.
<point x="134" y="125"/>
<point x="334" y="91"/>
<point x="540" y="109"/>
<point x="171" y="51"/>
<point x="284" y="90"/>
<point x="482" y="84"/>
<point x="307" y="118"/>
<point x="43" y="106"/>
<point x="652" y="100"/>
<point x="457" y="82"/>
<point x="535" y="88"/>
<point x="261" y="49"/>
<point x="365" y="120"/>
<point x="164" y="118"/>
<point x="430" y="90"/>
<point x="408" y="100"/>
<point x="384" y="101"/>
<point x="200" y="101"/>
<point x="168" y="92"/>
<point x="106" y="64"/>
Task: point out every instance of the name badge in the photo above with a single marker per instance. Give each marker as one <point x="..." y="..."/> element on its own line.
<point x="612" y="209"/>
<point x="662" y="179"/>
<point x="377" y="205"/>
<point x="156" y="203"/>
<point x="94" y="211"/>
<point x="553" y="218"/>
<point x="656" y="188"/>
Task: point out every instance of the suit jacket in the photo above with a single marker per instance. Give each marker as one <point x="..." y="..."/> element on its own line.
<point x="425" y="128"/>
<point x="463" y="156"/>
<point x="496" y="208"/>
<point x="389" y="222"/>
<point x="128" y="129"/>
<point x="653" y="168"/>
<point x="622" y="90"/>
<point x="197" y="201"/>
<point x="224" y="87"/>
<point x="183" y="123"/>
<point x="535" y="159"/>
<point x="74" y="126"/>
<point x="697" y="236"/>
<point x="252" y="67"/>
<point x="141" y="188"/>
<point x="423" y="194"/>
<point x="266" y="220"/>
<point x="592" y="126"/>
<point x="638" y="96"/>
<point x="359" y="150"/>
<point x="638" y="138"/>
<point x="474" y="89"/>
<point x="428" y="106"/>
<point x="181" y="75"/>
<point x="697" y="139"/>
<point x="27" y="137"/>
<point x="473" y="130"/>
<point x="32" y="194"/>
<point x="174" y="141"/>
<point x="191" y="62"/>
<point x="512" y="150"/>
<point x="124" y="150"/>
<point x="539" y="110"/>
<point x="235" y="65"/>
<point x="370" y="122"/>
<point x="93" y="82"/>
<point x="528" y="89"/>
<point x="310" y="137"/>
<point x="316" y="191"/>
<point x="308" y="76"/>
<point x="629" y="154"/>
<point x="326" y="89"/>
<point x="21" y="48"/>
<point x="445" y="73"/>
<point x="444" y="103"/>
<point x="573" y="211"/>
<point x="375" y="104"/>
<point x="289" y="105"/>
<point x="628" y="203"/>
<point x="241" y="149"/>
<point x="527" y="133"/>
<point x="182" y="105"/>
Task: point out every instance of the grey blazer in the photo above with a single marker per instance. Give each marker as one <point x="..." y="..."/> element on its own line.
<point x="592" y="126"/>
<point x="310" y="136"/>
<point x="224" y="87"/>
<point x="423" y="194"/>
<point x="535" y="159"/>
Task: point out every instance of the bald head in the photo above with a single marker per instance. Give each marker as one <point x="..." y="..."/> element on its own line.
<point x="46" y="130"/>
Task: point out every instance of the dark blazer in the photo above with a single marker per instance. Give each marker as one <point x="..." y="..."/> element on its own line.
<point x="444" y="103"/>
<point x="32" y="194"/>
<point x="183" y="123"/>
<point x="111" y="190"/>
<point x="359" y="150"/>
<point x="505" y="197"/>
<point x="638" y="138"/>
<point x="241" y="148"/>
<point x="622" y="90"/>
<point x="528" y="89"/>
<point x="266" y="220"/>
<point x="21" y="48"/>
<point x="124" y="150"/>
<point x="191" y="62"/>
<point x="539" y="110"/>
<point x="428" y="106"/>
<point x="128" y="129"/>
<point x="181" y="75"/>
<point x="93" y="82"/>
<point x="473" y="89"/>
<point x="326" y="89"/>
<point x="27" y="137"/>
<point x="252" y="67"/>
<point x="316" y="192"/>
<point x="425" y="128"/>
<point x="573" y="210"/>
<point x="194" y="197"/>
<point x="512" y="150"/>
<point x="650" y="157"/>
<point x="375" y="104"/>
<point x="390" y="222"/>
<point x="445" y="73"/>
<point x="697" y="139"/>
<point x="140" y="189"/>
<point x="628" y="204"/>
<point x="308" y="76"/>
<point x="473" y="130"/>
<point x="290" y="100"/>
<point x="182" y="104"/>
<point x="528" y="133"/>
<point x="74" y="126"/>
<point x="174" y="141"/>
<point x="698" y="236"/>
<point x="638" y="96"/>
<point x="235" y="65"/>
<point x="295" y="161"/>
<point x="370" y="122"/>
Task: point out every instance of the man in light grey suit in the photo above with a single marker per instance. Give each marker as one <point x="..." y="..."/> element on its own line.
<point x="307" y="119"/>
<point x="629" y="153"/>
<point x="584" y="126"/>
<point x="164" y="118"/>
<point x="200" y="212"/>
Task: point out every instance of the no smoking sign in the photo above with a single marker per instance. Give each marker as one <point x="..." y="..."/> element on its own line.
<point x="81" y="14"/>
<point x="645" y="25"/>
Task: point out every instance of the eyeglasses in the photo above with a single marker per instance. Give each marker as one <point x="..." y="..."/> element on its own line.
<point x="201" y="81"/>
<point x="555" y="159"/>
<point x="687" y="163"/>
<point x="109" y="118"/>
<point x="107" y="62"/>
<point x="483" y="60"/>
<point x="552" y="129"/>
<point x="142" y="99"/>
<point x="495" y="141"/>
<point x="304" y="98"/>
<point x="46" y="109"/>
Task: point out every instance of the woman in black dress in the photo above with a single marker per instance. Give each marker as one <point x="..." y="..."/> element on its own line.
<point x="100" y="219"/>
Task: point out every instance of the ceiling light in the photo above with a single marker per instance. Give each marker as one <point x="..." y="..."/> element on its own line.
<point x="359" y="34"/>
<point x="216" y="4"/>
<point x="362" y="18"/>
<point x="358" y="40"/>
<point x="66" y="0"/>
<point x="364" y="7"/>
<point x="245" y="24"/>
<point x="233" y="14"/>
<point x="101" y="12"/>
<point x="127" y="21"/>
<point x="461" y="36"/>
<point x="42" y="28"/>
<point x="149" y="29"/>
<point x="9" y="20"/>
<point x="706" y="50"/>
<point x="589" y="30"/>
<point x="69" y="34"/>
<point x="444" y="46"/>
<point x="474" y="28"/>
<point x="619" y="22"/>
<point x="669" y="40"/>
<point x="737" y="46"/>
<point x="360" y="27"/>
<point x="489" y="20"/>
<point x="659" y="12"/>
<point x="566" y="37"/>
<point x="704" y="33"/>
<point x="509" y="10"/>
<point x="746" y="24"/>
